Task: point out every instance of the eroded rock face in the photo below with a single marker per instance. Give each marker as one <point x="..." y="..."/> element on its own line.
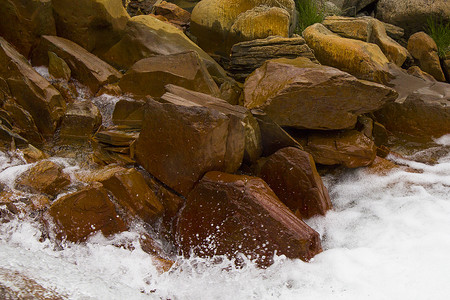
<point x="85" y="67"/>
<point x="299" y="93"/>
<point x="229" y="214"/>
<point x="82" y="213"/>
<point x="291" y="173"/>
<point x="180" y="141"/>
<point x="361" y="59"/>
<point x="23" y="22"/>
<point x="148" y="76"/>
<point x="31" y="90"/>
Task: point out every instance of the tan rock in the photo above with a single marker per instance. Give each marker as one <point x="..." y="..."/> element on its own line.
<point x="291" y="173"/>
<point x="423" y="48"/>
<point x="57" y="67"/>
<point x="80" y="121"/>
<point x="31" y="90"/>
<point x="299" y="93"/>
<point x="79" y="214"/>
<point x="32" y="154"/>
<point x="129" y="112"/>
<point x="229" y="214"/>
<point x="9" y="139"/>
<point x="148" y="76"/>
<point x="361" y="59"/>
<point x="85" y="67"/>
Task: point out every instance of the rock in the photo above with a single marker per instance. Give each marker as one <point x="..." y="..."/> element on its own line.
<point x="23" y="22"/>
<point x="10" y="139"/>
<point x="417" y="72"/>
<point x="411" y="15"/>
<point x="446" y="67"/>
<point x="45" y="177"/>
<point x="229" y="214"/>
<point x="361" y="59"/>
<point x="57" y="67"/>
<point x="115" y="137"/>
<point x="80" y="121"/>
<point x="31" y="90"/>
<point x="139" y="7"/>
<point x="381" y="166"/>
<point x="129" y="112"/>
<point x="146" y="36"/>
<point x="291" y="173"/>
<point x="253" y="145"/>
<point x="32" y="154"/>
<point x="200" y="141"/>
<point x="423" y="48"/>
<point x="79" y="214"/>
<point x="95" y="25"/>
<point x="175" y="14"/>
<point x="301" y="94"/>
<point x="353" y="7"/>
<point x="218" y="24"/>
<point x="86" y="67"/>
<point x="351" y="149"/>
<point x="24" y="122"/>
<point x="148" y="76"/>
<point x="133" y="194"/>
<point x="250" y="55"/>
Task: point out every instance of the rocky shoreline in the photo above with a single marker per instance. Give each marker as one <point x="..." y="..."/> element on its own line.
<point x="217" y="124"/>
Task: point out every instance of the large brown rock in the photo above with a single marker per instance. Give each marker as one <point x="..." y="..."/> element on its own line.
<point x="80" y="121"/>
<point x="129" y="112"/>
<point x="423" y="48"/>
<point x="173" y="13"/>
<point x="291" y="173"/>
<point x="84" y="66"/>
<point x="299" y="93"/>
<point x="250" y="55"/>
<point x="148" y="76"/>
<point x="96" y="25"/>
<point x="351" y="149"/>
<point x="146" y="36"/>
<point x="30" y="90"/>
<point x="23" y="22"/>
<point x="133" y="194"/>
<point x="361" y="59"/>
<point x="180" y="141"/>
<point x="230" y="214"/>
<point x="23" y="121"/>
<point x="79" y="214"/>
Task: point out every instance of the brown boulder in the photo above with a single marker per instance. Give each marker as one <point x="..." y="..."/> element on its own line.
<point x="133" y="194"/>
<point x="148" y="76"/>
<point x="79" y="214"/>
<point x="58" y="68"/>
<point x="85" y="67"/>
<point x="129" y="112"/>
<point x="31" y="90"/>
<point x="299" y="93"/>
<point x="291" y="173"/>
<point x="24" y="122"/>
<point x="81" y="120"/>
<point x="9" y="139"/>
<point x="230" y="214"/>
<point x="173" y="13"/>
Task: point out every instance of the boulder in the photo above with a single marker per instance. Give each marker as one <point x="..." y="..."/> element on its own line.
<point x="302" y="94"/>
<point x="146" y="36"/>
<point x="351" y="149"/>
<point x="31" y="90"/>
<point x="129" y="112"/>
<point x="134" y="195"/>
<point x="80" y="121"/>
<point x="201" y="140"/>
<point x="173" y="13"/>
<point x="95" y="25"/>
<point x="24" y="122"/>
<point x="291" y="173"/>
<point x="85" y="67"/>
<point x="411" y="15"/>
<point x="231" y="214"/>
<point x="78" y="215"/>
<point x="23" y="22"/>
<point x="423" y="48"/>
<point x="58" y="68"/>
<point x="361" y="59"/>
<point x="9" y="139"/>
<point x="148" y="76"/>
<point x="250" y="55"/>
<point x="44" y="177"/>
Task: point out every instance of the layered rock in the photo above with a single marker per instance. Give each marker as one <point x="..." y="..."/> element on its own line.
<point x="80" y="121"/>
<point x="148" y="76"/>
<point x="250" y="55"/>
<point x="361" y="59"/>
<point x="173" y="13"/>
<point x="231" y="214"/>
<point x="23" y="22"/>
<point x="299" y="93"/>
<point x="291" y="173"/>
<point x="129" y="112"/>
<point x="85" y="67"/>
<point x="30" y="90"/>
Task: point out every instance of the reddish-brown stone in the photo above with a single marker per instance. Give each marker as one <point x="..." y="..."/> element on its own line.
<point x="229" y="214"/>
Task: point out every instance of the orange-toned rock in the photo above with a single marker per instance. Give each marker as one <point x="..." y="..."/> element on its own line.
<point x="45" y="177"/>
<point x="23" y="121"/>
<point x="133" y="194"/>
<point x="80" y="121"/>
<point x="129" y="112"/>
<point x="82" y="213"/>
<point x="230" y="214"/>
<point x="291" y="173"/>
<point x="381" y="166"/>
<point x="173" y="13"/>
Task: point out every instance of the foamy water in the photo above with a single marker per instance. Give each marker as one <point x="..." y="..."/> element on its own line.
<point x="387" y="237"/>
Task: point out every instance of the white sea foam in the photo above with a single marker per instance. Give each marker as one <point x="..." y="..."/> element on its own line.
<point x="387" y="237"/>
